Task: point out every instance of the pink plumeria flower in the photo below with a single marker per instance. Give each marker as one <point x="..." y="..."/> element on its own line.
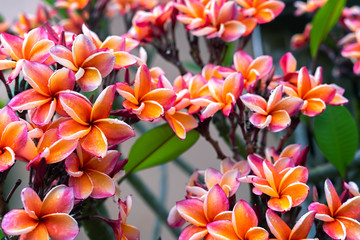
<point x="274" y="114"/>
<point x="242" y="226"/>
<point x="89" y="176"/>
<point x="200" y="213"/>
<point x="291" y="151"/>
<point x="223" y="95"/>
<point x="89" y="65"/>
<point x="352" y="51"/>
<point x="43" y="219"/>
<point x="300" y="40"/>
<point x="340" y="219"/>
<point x="283" y="232"/>
<point x="42" y="100"/>
<point x="34" y="47"/>
<point x="308" y="7"/>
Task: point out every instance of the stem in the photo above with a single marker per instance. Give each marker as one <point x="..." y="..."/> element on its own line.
<point x="184" y="166"/>
<point x="156" y="206"/>
<point x="13" y="189"/>
<point x="194" y="49"/>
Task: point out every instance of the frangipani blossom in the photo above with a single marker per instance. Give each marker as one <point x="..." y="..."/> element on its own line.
<point x="128" y="231"/>
<point x="146" y="103"/>
<point x="223" y="21"/>
<point x="125" y="6"/>
<point x="118" y="46"/>
<point x="193" y="14"/>
<point x="224" y="94"/>
<point x="314" y="94"/>
<point x="242" y="226"/>
<point x="341" y="220"/>
<point x="34" y="47"/>
<point x="284" y="183"/>
<point x="300" y="40"/>
<point x="282" y="231"/>
<point x="352" y="51"/>
<point x="90" y="123"/>
<point x="43" y="219"/>
<point x="89" y="65"/>
<point x="200" y="213"/>
<point x="42" y="99"/>
<point x="263" y="11"/>
<point x="13" y="137"/>
<point x="252" y="69"/>
<point x="291" y="151"/>
<point x="89" y="176"/>
<point x="73" y="4"/>
<point x="308" y="7"/>
<point x="274" y="114"/>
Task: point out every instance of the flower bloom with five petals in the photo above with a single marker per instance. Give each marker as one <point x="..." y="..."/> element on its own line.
<point x="73" y="4"/>
<point x="242" y="226"/>
<point x="352" y="51"/>
<point x="89" y="64"/>
<point x="89" y="176"/>
<point x="34" y="47"/>
<point x="274" y="114"/>
<point x="200" y="213"/>
<point x="46" y="85"/>
<point x="282" y="231"/>
<point x="341" y="220"/>
<point x="308" y="7"/>
<point x="146" y="103"/>
<point x="90" y="123"/>
<point x="43" y="219"/>
<point x="284" y="183"/>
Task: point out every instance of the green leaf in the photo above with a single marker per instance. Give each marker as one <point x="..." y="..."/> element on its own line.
<point x="229" y="54"/>
<point x="324" y="20"/>
<point x="192" y="67"/>
<point x="337" y="136"/>
<point x="158" y="146"/>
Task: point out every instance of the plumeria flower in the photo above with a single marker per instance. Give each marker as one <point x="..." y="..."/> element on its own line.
<point x="308" y="7"/>
<point x="227" y="165"/>
<point x="146" y="103"/>
<point x="73" y="4"/>
<point x="200" y="213"/>
<point x="129" y="232"/>
<point x="313" y="92"/>
<point x="284" y="183"/>
<point x="43" y="219"/>
<point x="300" y="40"/>
<point x="263" y="11"/>
<point x="242" y="226"/>
<point x="353" y="188"/>
<point x="229" y="182"/>
<point x="13" y="138"/>
<point x="283" y="232"/>
<point x="124" y="6"/>
<point x="341" y="220"/>
<point x="90" y="123"/>
<point x="89" y="176"/>
<point x="251" y="69"/>
<point x="352" y="51"/>
<point x="34" y="47"/>
<point x="223" y="21"/>
<point x="192" y="14"/>
<point x="274" y="114"/>
<point x="90" y="66"/>
<point x="291" y="151"/>
<point x="42" y="100"/>
<point x="118" y="46"/>
<point x="224" y="94"/>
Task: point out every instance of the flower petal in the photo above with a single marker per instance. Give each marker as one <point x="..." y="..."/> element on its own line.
<point x="303" y="226"/>
<point x="18" y="222"/>
<point x="352" y="228"/>
<point x="192" y="232"/>
<point x="31" y="202"/>
<point x="37" y="75"/>
<point x="70" y="129"/>
<point x="63" y="55"/>
<point x="192" y="210"/>
<point x="82" y="48"/>
<point x="76" y="105"/>
<point x="43" y="114"/>
<point x="103" y="184"/>
<point x="61" y="226"/>
<point x="123" y="59"/>
<point x="81" y="185"/>
<point x="222" y="230"/>
<point x="28" y="99"/>
<point x="14" y="135"/>
<point x="282" y="204"/>
<point x="279" y="121"/>
<point x="89" y="80"/>
<point x="335" y="229"/>
<point x="95" y="142"/>
<point x="103" y="104"/>
<point x="40" y="232"/>
<point x="7" y="159"/>
<point x="142" y="82"/>
<point x="105" y="165"/>
<point x="215" y="202"/>
<point x="255" y="103"/>
<point x="332" y="197"/>
<point x="62" y="79"/>
<point x="350" y="208"/>
<point x="243" y="218"/>
<point x="116" y="131"/>
<point x="257" y="233"/>
<point x="260" y="121"/>
<point x="102" y="61"/>
<point x="60" y="199"/>
<point x="277" y="226"/>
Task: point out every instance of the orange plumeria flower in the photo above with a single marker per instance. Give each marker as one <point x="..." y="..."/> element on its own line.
<point x="193" y="13"/>
<point x="291" y="151"/>
<point x="274" y="114"/>
<point x="300" y="40"/>
<point x="282" y="231"/>
<point x="73" y="4"/>
<point x="200" y="213"/>
<point x="308" y="7"/>
<point x="341" y="220"/>
<point x="90" y="123"/>
<point x="34" y="47"/>
<point x="118" y="46"/>
<point x="223" y="95"/>
<point x="263" y="11"/>
<point x="13" y="137"/>
<point x="223" y="21"/>
<point x="42" y="100"/>
<point x="90" y="66"/>
<point x="242" y="226"/>
<point x="128" y="232"/>
<point x="251" y="69"/>
<point x="123" y="6"/>
<point x="43" y="219"/>
<point x="89" y="176"/>
<point x="147" y="104"/>
<point x="314" y="94"/>
<point x="284" y="183"/>
<point x="352" y="51"/>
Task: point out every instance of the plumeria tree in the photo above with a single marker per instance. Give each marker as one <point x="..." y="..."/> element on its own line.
<point x="76" y="93"/>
